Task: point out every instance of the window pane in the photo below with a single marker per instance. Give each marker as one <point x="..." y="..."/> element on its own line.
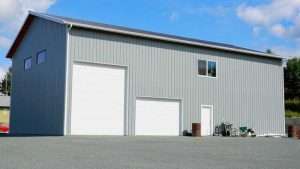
<point x="201" y="67"/>
<point x="27" y="63"/>
<point x="212" y="69"/>
<point x="41" y="57"/>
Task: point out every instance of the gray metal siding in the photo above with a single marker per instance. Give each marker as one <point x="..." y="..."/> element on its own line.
<point x="247" y="91"/>
<point x="37" y="103"/>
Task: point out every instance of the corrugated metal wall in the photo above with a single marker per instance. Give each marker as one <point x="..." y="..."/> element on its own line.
<point x="248" y="90"/>
<point x="37" y="103"/>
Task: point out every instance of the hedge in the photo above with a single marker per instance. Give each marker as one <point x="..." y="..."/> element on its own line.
<point x="292" y="114"/>
<point x="293" y="105"/>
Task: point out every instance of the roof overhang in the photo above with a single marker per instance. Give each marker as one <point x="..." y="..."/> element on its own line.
<point x="31" y="15"/>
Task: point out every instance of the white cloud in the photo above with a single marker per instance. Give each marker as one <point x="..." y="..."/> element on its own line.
<point x="266" y="14"/>
<point x="177" y="10"/>
<point x="287" y="51"/>
<point x="13" y="13"/>
<point x="278" y="30"/>
<point x="217" y="11"/>
<point x="4" y="42"/>
<point x="8" y="9"/>
<point x="256" y="30"/>
<point x="280" y="17"/>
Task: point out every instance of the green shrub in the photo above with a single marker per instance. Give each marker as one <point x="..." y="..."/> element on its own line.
<point x="290" y="114"/>
<point x="293" y="105"/>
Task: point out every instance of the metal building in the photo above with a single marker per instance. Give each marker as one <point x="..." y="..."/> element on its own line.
<point x="77" y="77"/>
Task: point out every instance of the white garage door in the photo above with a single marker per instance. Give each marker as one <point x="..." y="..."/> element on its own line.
<point x="97" y="100"/>
<point x="157" y="117"/>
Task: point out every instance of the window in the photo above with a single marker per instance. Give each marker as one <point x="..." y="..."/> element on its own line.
<point x="202" y="67"/>
<point x="27" y="63"/>
<point x="207" y="68"/>
<point x="212" y="68"/>
<point x="41" y="57"/>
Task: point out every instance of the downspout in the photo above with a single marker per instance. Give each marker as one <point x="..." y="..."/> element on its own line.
<point x="284" y="64"/>
<point x="67" y="107"/>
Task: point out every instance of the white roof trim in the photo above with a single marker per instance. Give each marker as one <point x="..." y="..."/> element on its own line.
<point x="47" y="17"/>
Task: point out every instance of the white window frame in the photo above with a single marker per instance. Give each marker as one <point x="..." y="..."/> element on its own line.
<point x="207" y="76"/>
<point x="24" y="66"/>
<point x="38" y="54"/>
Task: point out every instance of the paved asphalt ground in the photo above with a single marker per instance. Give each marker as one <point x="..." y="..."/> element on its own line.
<point x="92" y="152"/>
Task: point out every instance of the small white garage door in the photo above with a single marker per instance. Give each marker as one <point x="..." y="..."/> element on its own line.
<point x="157" y="117"/>
<point x="98" y="95"/>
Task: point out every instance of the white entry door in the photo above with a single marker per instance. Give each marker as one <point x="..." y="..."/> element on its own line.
<point x="206" y="120"/>
<point x="98" y="94"/>
<point x="157" y="117"/>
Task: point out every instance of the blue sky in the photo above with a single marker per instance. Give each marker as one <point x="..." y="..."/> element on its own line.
<point x="255" y="24"/>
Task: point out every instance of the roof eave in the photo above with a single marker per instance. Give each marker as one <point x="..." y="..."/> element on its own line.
<point x="47" y="17"/>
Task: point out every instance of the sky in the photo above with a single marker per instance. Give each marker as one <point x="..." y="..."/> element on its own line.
<point x="254" y="24"/>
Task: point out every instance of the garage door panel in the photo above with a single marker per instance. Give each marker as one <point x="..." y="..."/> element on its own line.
<point x="97" y="100"/>
<point x="157" y="117"/>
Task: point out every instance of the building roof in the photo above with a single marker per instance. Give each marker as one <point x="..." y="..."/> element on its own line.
<point x="131" y="32"/>
<point x="4" y="101"/>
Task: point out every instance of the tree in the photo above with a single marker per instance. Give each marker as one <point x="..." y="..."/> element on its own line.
<point x="5" y="83"/>
<point x="269" y="51"/>
<point x="292" y="79"/>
